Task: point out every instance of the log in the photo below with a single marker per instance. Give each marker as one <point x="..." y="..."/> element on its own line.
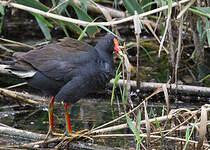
<point x="184" y="89"/>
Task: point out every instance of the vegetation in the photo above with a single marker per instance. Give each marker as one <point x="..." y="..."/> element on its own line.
<point x="165" y="41"/>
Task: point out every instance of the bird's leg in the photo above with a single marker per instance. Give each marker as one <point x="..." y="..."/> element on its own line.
<point x="68" y="122"/>
<point x="67" y="116"/>
<point x="51" y="119"/>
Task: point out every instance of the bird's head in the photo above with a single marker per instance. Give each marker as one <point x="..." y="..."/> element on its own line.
<point x="108" y="44"/>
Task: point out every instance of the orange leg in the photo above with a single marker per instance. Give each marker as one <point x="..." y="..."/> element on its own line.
<point x="50" y="113"/>
<point x="68" y="122"/>
<point x="51" y="119"/>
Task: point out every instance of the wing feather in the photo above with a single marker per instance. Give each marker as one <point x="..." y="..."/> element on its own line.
<point x="55" y="60"/>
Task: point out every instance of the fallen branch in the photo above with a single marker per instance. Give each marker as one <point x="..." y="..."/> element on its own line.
<point x="21" y="133"/>
<point x="187" y="89"/>
<point x="85" y="23"/>
<point x="25" y="98"/>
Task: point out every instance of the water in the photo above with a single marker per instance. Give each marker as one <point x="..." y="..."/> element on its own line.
<point x="85" y="114"/>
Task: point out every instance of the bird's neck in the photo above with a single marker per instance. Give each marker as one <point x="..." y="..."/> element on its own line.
<point x="104" y="55"/>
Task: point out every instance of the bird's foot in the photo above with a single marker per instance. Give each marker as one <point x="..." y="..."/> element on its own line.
<point x="78" y="134"/>
<point x="52" y="133"/>
<point x="81" y="131"/>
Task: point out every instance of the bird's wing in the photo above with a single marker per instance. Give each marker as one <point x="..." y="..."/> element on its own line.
<point x="55" y="60"/>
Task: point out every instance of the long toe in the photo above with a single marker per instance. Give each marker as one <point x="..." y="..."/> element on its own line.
<point x="79" y="134"/>
<point x="53" y="133"/>
<point x="82" y="131"/>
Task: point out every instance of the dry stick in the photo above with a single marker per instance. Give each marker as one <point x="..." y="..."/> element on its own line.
<point x="128" y="84"/>
<point x="179" y="51"/>
<point x="156" y="37"/>
<point x="16" y="85"/>
<point x="164" y="34"/>
<point x="124" y="125"/>
<point x="157" y="22"/>
<point x="85" y="23"/>
<point x="193" y="115"/>
<point x="52" y="140"/>
<point x="59" y="5"/>
<point x="19" y="96"/>
<point x="137" y="26"/>
<point x="165" y="91"/>
<point x="153" y="120"/>
<point x="26" y="134"/>
<point x="144" y="135"/>
<point x="198" y="90"/>
<point x="199" y="49"/>
<point x="185" y="9"/>
<point x="202" y="127"/>
<point x="172" y="51"/>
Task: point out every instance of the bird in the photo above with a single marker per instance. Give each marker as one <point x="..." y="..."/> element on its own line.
<point x="67" y="71"/>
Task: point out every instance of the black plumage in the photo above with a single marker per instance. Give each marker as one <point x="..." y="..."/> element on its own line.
<point x="67" y="70"/>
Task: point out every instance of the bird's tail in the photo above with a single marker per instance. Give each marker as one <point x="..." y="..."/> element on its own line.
<point x="7" y="70"/>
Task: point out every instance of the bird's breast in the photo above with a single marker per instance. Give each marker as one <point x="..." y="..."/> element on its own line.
<point x="106" y="72"/>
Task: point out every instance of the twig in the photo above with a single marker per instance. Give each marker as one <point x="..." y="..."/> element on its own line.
<point x="185" y="9"/>
<point x="156" y="37"/>
<point x="59" y="5"/>
<point x="85" y="23"/>
<point x="134" y="109"/>
<point x="164" y="34"/>
<point x="172" y="51"/>
<point x="179" y="50"/>
<point x="19" y="96"/>
<point x="16" y="85"/>
<point x="137" y="27"/>
<point x="153" y="120"/>
<point x="144" y="135"/>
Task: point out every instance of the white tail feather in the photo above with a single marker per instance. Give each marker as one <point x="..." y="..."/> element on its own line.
<point x="6" y="69"/>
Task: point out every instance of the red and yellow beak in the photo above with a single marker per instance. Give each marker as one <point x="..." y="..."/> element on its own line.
<point x="116" y="46"/>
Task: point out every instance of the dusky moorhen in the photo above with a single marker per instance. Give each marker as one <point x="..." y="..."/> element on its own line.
<point x="68" y="70"/>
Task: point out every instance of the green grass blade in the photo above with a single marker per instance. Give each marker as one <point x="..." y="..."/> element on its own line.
<point x="202" y="11"/>
<point x="83" y="32"/>
<point x="158" y="126"/>
<point x="131" y="6"/>
<point x="131" y="126"/>
<point x="117" y="77"/>
<point x="2" y="10"/>
<point x="106" y="29"/>
<point x="33" y="3"/>
<point x="85" y="17"/>
<point x="43" y="20"/>
<point x="208" y="31"/>
<point x="188" y="135"/>
<point x="44" y="28"/>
